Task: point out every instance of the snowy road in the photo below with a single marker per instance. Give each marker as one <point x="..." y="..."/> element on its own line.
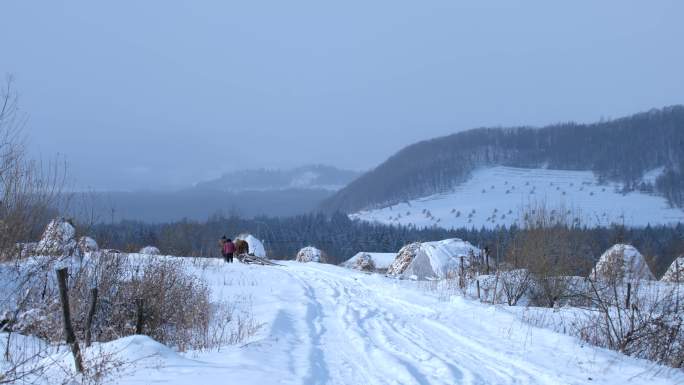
<point x="328" y="325"/>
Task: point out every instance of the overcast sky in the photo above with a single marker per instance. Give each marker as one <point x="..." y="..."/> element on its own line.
<point x="160" y="94"/>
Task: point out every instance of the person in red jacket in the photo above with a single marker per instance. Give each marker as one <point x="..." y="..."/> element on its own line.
<point x="228" y="250"/>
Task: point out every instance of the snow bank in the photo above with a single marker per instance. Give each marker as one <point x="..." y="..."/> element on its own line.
<point x="675" y="273"/>
<point x="425" y="260"/>
<point x="622" y="262"/>
<point x="310" y="254"/>
<point x="149" y="250"/>
<point x="370" y="261"/>
<point x="58" y="239"/>
<point x="256" y="247"/>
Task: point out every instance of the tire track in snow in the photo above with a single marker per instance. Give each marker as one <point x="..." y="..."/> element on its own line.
<point x="427" y="350"/>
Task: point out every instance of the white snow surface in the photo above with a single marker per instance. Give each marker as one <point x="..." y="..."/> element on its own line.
<point x="498" y="195"/>
<point x="437" y="259"/>
<point x="256" y="247"/>
<point x="624" y="262"/>
<point x="324" y="324"/>
<point x="381" y="261"/>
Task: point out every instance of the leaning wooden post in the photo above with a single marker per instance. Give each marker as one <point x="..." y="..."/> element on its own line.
<point x="91" y="314"/>
<point x="477" y="283"/>
<point x="62" y="275"/>
<point x="461" y="278"/>
<point x="139" y="321"/>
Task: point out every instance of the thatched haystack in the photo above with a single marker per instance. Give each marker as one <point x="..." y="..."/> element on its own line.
<point x="311" y="254"/>
<point x="675" y="273"/>
<point x="87" y="245"/>
<point x="432" y="260"/>
<point x="622" y="263"/>
<point x="58" y="239"/>
<point x="370" y="261"/>
<point x="149" y="250"/>
<point x="254" y="245"/>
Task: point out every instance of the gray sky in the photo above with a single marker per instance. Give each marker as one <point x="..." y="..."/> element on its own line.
<point x="158" y="94"/>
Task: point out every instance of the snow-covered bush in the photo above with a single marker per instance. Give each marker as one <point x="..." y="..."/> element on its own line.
<point x="149" y="250"/>
<point x="310" y="254"/>
<point x="515" y="284"/>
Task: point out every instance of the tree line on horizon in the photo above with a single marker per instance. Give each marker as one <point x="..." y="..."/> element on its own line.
<point x="341" y="238"/>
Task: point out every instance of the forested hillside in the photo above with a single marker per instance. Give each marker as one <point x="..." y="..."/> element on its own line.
<point x="619" y="150"/>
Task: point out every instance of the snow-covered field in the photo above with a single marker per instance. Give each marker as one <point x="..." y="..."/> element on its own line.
<point x="497" y="196"/>
<point x="323" y="324"/>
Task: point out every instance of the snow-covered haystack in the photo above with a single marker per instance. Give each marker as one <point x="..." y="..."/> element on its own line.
<point x="365" y="261"/>
<point x="256" y="247"/>
<point x="622" y="263"/>
<point x="149" y="250"/>
<point x="87" y="245"/>
<point x="311" y="254"/>
<point x="425" y="260"/>
<point x="675" y="273"/>
<point x="58" y="239"/>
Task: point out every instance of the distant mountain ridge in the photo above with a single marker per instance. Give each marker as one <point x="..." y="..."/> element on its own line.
<point x="621" y="150"/>
<point x="318" y="177"/>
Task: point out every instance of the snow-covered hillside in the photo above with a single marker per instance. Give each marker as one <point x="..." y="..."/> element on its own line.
<point x="498" y="195"/>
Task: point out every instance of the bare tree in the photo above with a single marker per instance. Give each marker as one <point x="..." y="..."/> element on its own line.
<point x="28" y="189"/>
<point x="551" y="248"/>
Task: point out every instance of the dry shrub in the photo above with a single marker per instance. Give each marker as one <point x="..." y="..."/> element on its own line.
<point x="177" y="307"/>
<point x="642" y="320"/>
<point x="551" y="248"/>
<point x="515" y="284"/>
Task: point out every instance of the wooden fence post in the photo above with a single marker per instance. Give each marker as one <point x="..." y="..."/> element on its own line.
<point x="62" y="275"/>
<point x="461" y="278"/>
<point x="139" y="321"/>
<point x="477" y="283"/>
<point x="91" y="314"/>
<point x="629" y="294"/>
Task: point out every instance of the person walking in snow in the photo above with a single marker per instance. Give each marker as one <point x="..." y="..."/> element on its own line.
<point x="228" y="250"/>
